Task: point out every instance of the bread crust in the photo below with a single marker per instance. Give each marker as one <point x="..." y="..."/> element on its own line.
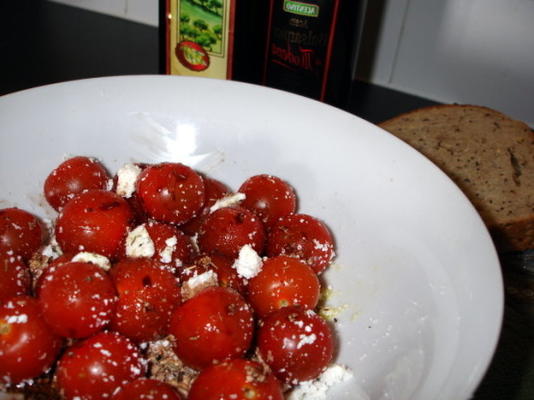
<point x="511" y="148"/>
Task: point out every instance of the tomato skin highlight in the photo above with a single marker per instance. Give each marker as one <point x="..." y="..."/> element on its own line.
<point x="214" y="325"/>
<point x="237" y="379"/>
<point x="72" y="177"/>
<point x="283" y="281"/>
<point x="171" y="192"/>
<point x="28" y="347"/>
<point x="297" y="344"/>
<point x="95" y="221"/>
<point x="21" y="233"/>
<point x="98" y="366"/>
<point x="77" y="299"/>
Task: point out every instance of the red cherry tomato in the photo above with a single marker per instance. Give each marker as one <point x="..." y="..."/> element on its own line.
<point x="15" y="277"/>
<point x="97" y="367"/>
<point x="235" y="379"/>
<point x="283" y="281"/>
<point x="297" y="344"/>
<point x="214" y="190"/>
<point x="302" y="236"/>
<point x="78" y="299"/>
<point x="228" y="229"/>
<point x="214" y="325"/>
<point x="72" y="177"/>
<point x="95" y="221"/>
<point x="269" y="197"/>
<point x="148" y="294"/>
<point x="28" y="347"/>
<point x="172" y="246"/>
<point x="171" y="192"/>
<point x="21" y="233"/>
<point x="144" y="388"/>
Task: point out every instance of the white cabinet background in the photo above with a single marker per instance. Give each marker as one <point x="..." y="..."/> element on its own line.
<point x="451" y="51"/>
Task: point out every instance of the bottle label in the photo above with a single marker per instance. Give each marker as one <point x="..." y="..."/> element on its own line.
<point x="301" y="39"/>
<point x="299" y="8"/>
<point x="201" y="38"/>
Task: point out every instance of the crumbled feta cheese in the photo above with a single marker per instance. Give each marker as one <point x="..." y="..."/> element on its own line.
<point x="126" y="179"/>
<point x="17" y="319"/>
<point x="52" y="250"/>
<point x="317" y="389"/>
<point x="228" y="201"/>
<point x="248" y="264"/>
<point x="198" y="282"/>
<point x="93" y="258"/>
<point x="306" y="339"/>
<point x="165" y="255"/>
<point x="139" y="243"/>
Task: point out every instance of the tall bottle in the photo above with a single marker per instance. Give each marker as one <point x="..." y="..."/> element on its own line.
<point x="222" y="39"/>
<point x="312" y="47"/>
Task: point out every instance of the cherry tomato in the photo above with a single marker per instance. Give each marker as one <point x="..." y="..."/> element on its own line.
<point x="95" y="221"/>
<point x="222" y="266"/>
<point x="302" y="236"/>
<point x="148" y="294"/>
<point x="28" y="347"/>
<point x="283" y="281"/>
<point x="172" y="246"/>
<point x="97" y="367"/>
<point x="228" y="229"/>
<point x="78" y="299"/>
<point x="214" y="325"/>
<point x="269" y="197"/>
<point x="235" y="379"/>
<point x="297" y="344"/>
<point x="21" y="233"/>
<point x="72" y="177"/>
<point x="214" y="190"/>
<point x="15" y="277"/>
<point x="171" y="192"/>
<point x="147" y="389"/>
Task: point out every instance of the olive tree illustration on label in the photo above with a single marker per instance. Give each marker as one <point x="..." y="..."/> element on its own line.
<point x="202" y="34"/>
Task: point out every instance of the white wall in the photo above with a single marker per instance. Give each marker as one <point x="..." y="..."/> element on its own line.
<point x="464" y="51"/>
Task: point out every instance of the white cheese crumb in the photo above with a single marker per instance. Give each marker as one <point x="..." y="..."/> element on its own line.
<point x="306" y="339"/>
<point x="228" y="201"/>
<point x="52" y="250"/>
<point x="17" y="319"/>
<point x="139" y="243"/>
<point x="126" y="179"/>
<point x="317" y="389"/>
<point x="93" y="258"/>
<point x="198" y="282"/>
<point x="165" y="255"/>
<point x="248" y="264"/>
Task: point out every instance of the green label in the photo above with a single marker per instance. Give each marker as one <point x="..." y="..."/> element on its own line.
<point x="296" y="7"/>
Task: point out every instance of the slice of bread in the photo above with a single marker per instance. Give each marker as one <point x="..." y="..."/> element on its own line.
<point x="488" y="155"/>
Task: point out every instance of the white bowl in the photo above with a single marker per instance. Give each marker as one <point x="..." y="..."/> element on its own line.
<point x="417" y="280"/>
